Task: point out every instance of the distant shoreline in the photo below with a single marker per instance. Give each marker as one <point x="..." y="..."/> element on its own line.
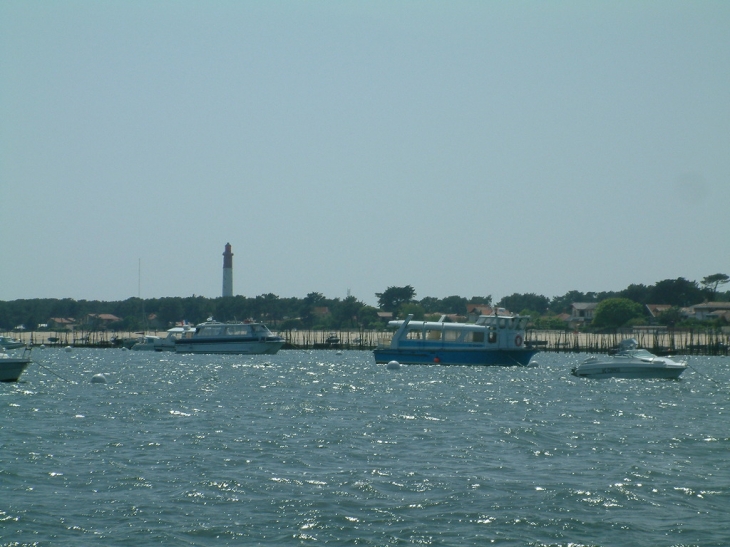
<point x="679" y="342"/>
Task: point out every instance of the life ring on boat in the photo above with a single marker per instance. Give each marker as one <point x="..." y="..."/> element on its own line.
<point x="518" y="340"/>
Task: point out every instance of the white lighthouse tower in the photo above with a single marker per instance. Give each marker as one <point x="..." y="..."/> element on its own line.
<point x="228" y="271"/>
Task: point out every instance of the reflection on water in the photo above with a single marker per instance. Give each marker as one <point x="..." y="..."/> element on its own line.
<point x="308" y="446"/>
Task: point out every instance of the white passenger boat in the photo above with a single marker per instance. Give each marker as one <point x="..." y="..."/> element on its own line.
<point x="630" y="362"/>
<point x="492" y="340"/>
<point x="240" y="337"/>
<point x="12" y="367"/>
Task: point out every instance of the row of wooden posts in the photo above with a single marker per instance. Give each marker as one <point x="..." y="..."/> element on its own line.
<point x="659" y="342"/>
<point x="664" y="341"/>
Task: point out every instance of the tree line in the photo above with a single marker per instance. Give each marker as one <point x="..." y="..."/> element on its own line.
<point x="615" y="308"/>
<point x="316" y="311"/>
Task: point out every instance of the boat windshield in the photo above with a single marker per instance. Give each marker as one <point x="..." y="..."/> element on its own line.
<point x="238" y="330"/>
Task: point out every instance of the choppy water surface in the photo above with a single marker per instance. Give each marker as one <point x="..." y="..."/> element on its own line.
<point x="315" y="448"/>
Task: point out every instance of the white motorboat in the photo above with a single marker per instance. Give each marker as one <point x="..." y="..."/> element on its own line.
<point x="151" y="342"/>
<point x="492" y="340"/>
<point x="245" y="337"/>
<point x="148" y="342"/>
<point x="630" y="362"/>
<point x="173" y="335"/>
<point x="12" y="367"/>
<point x="10" y="343"/>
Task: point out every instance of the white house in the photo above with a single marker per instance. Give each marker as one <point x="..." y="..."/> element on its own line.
<point x="710" y="310"/>
<point x="582" y="312"/>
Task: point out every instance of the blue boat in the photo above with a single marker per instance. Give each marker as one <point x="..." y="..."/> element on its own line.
<point x="492" y="340"/>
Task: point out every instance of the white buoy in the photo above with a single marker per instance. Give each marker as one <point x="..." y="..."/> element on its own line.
<point x="533" y="363"/>
<point x="68" y="348"/>
<point x="98" y="379"/>
<point x="393" y="365"/>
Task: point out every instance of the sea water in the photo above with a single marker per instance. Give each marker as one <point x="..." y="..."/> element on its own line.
<point x="328" y="448"/>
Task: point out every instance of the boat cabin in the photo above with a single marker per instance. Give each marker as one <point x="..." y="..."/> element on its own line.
<point x="489" y="331"/>
<point x="216" y="328"/>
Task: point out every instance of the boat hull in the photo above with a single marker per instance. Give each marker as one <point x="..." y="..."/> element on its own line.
<point x="228" y="346"/>
<point x="626" y="370"/>
<point x="157" y="346"/>
<point x="12" y="368"/>
<point x="493" y="357"/>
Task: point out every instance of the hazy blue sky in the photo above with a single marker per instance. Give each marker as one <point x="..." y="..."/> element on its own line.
<point x="464" y="148"/>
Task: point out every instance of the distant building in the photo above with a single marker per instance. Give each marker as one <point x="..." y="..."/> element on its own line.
<point x="582" y="312"/>
<point x="473" y="311"/>
<point x="655" y="310"/>
<point x="710" y="310"/>
<point x="563" y="317"/>
<point x="101" y="319"/>
<point x="62" y="323"/>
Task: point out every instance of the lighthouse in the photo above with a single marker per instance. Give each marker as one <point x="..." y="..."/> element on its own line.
<point x="228" y="271"/>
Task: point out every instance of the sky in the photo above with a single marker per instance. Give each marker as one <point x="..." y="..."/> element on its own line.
<point x="465" y="148"/>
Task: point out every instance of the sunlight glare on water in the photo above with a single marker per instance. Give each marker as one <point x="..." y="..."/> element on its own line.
<point x="318" y="447"/>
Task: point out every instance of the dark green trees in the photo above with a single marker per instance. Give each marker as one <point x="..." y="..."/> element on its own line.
<point x="616" y="312"/>
<point x="711" y="282"/>
<point x="393" y="297"/>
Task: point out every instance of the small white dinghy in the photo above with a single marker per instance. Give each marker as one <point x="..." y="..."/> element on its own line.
<point x="630" y="362"/>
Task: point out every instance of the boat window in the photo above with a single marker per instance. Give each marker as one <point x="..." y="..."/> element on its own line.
<point x="433" y="334"/>
<point x="492" y="337"/>
<point x="451" y="335"/>
<point x="235" y="330"/>
<point x="476" y="337"/>
<point x="413" y="335"/>
<point x="487" y="320"/>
